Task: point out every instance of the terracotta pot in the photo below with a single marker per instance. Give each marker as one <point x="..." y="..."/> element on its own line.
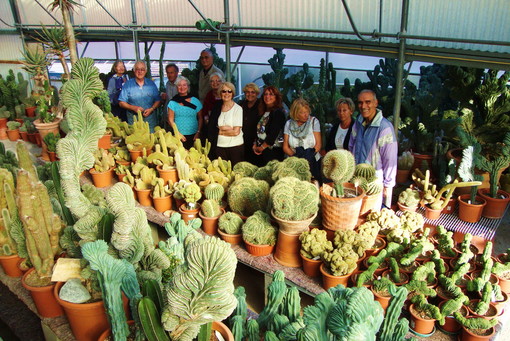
<point x="143" y="196"/>
<point x="420" y="325"/>
<point x="470" y="213"/>
<point x="179" y="202"/>
<point x="188" y="214"/>
<point x="384" y="301"/>
<point x="3" y="134"/>
<point x="418" y="160"/>
<point x="258" y="250"/>
<point x="493" y="279"/>
<point x="231" y="238"/>
<point x="13" y="135"/>
<point x="432" y="214"/>
<point x="468" y="335"/>
<point x="38" y="139"/>
<point x="105" y="141"/>
<point x="87" y="320"/>
<point x="500" y="305"/>
<point x="135" y="154"/>
<point x="295" y="227"/>
<point x="450" y="207"/>
<point x="53" y="156"/>
<point x="370" y="203"/>
<point x="19" y="120"/>
<point x="311" y="267"/>
<point x="101" y="179"/>
<point x="402" y="176"/>
<point x="330" y="281"/>
<point x="404" y="278"/>
<point x="30" y="111"/>
<point x="353" y="280"/>
<point x="340" y="213"/>
<point x="168" y="174"/>
<point x="3" y="122"/>
<point x="24" y="135"/>
<point x="122" y="162"/>
<point x="45" y="301"/>
<point x="210" y="224"/>
<point x="44" y="129"/>
<point x="451" y="325"/>
<point x="504" y="284"/>
<point x="406" y="208"/>
<point x="287" y="249"/>
<point x="120" y="177"/>
<point x="162" y="204"/>
<point x="10" y="265"/>
<point x="495" y="207"/>
<point x="31" y="138"/>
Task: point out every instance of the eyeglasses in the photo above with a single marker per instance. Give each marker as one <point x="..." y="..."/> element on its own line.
<point x="226" y="91"/>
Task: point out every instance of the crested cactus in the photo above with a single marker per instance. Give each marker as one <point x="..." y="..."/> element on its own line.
<point x="292" y="166"/>
<point x="230" y="223"/>
<point x="191" y="194"/>
<point x="338" y="165"/>
<point x="258" y="229"/>
<point x="247" y="195"/>
<point x="474" y="323"/>
<point x="445" y="241"/>
<point x="293" y="199"/>
<point x="210" y="208"/>
<point x="409" y="198"/>
<point x="314" y="243"/>
<point x="430" y="310"/>
<point x="245" y="168"/>
<point x="341" y="261"/>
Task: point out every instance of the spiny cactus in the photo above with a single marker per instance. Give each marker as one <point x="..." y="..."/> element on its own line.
<point x="314" y="243"/>
<point x="214" y="191"/>
<point x="245" y="168"/>
<point x="230" y="223"/>
<point x="338" y="165"/>
<point x="247" y="195"/>
<point x="405" y="161"/>
<point x="258" y="229"/>
<point x="409" y="198"/>
<point x="210" y="208"/>
<point x="364" y="170"/>
<point x="341" y="261"/>
<point x="293" y="199"/>
<point x="292" y="166"/>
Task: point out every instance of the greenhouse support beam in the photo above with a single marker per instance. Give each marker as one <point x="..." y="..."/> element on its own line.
<point x="228" y="73"/>
<point x="135" y="32"/>
<point x="49" y="13"/>
<point x="400" y="70"/>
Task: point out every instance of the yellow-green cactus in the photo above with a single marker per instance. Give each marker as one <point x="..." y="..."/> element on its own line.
<point x="314" y="243"/>
<point x="103" y="160"/>
<point x="160" y="190"/>
<point x="141" y="136"/>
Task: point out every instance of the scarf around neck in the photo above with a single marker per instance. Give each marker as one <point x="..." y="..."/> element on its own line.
<point x="300" y="131"/>
<point x="182" y="100"/>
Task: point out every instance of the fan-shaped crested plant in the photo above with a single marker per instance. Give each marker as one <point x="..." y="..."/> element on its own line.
<point x="338" y="165"/>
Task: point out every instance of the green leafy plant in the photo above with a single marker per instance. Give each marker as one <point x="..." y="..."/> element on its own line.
<point x="51" y="141"/>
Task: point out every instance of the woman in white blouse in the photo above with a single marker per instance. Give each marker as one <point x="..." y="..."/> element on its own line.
<point x="228" y="120"/>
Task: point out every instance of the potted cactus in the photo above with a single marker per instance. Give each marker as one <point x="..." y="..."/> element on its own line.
<point x="51" y="141"/>
<point x="102" y="172"/>
<point x="161" y="195"/>
<point x="230" y="226"/>
<point x="259" y="235"/>
<point x="381" y="289"/>
<point x="23" y="132"/>
<point x="248" y="195"/>
<point x="404" y="165"/>
<point x="470" y="205"/>
<point x="13" y="130"/>
<point x="210" y="213"/>
<point x="191" y="194"/>
<point x="409" y="200"/>
<point x="476" y="328"/>
<point x="424" y="315"/>
<point x="215" y="191"/>
<point x="340" y="206"/>
<point x="313" y="244"/>
<point x="364" y="177"/>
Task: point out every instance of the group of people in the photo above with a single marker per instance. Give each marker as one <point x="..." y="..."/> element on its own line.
<point x="257" y="129"/>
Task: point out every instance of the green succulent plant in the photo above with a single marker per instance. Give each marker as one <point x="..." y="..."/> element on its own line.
<point x="247" y="195"/>
<point x="230" y="223"/>
<point x="258" y="229"/>
<point x="314" y="243"/>
<point x="338" y="165"/>
<point x="210" y="208"/>
<point x="293" y="199"/>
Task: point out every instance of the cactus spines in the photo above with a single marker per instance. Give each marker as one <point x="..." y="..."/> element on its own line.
<point x="230" y="223"/>
<point x="210" y="208"/>
<point x="245" y="168"/>
<point x="409" y="198"/>
<point x="364" y="170"/>
<point x="292" y="166"/>
<point x="293" y="199"/>
<point x="214" y="191"/>
<point x="405" y="161"/>
<point x="247" y="195"/>
<point x="258" y="229"/>
<point x="338" y="165"/>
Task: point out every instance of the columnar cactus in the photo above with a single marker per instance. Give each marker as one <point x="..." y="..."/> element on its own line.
<point x="42" y="226"/>
<point x="338" y="165"/>
<point x="293" y="199"/>
<point x="405" y="161"/>
<point x="7" y="208"/>
<point x="247" y="195"/>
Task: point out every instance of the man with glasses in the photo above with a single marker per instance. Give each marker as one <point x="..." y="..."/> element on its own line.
<point x="140" y="94"/>
<point x="373" y="141"/>
<point x="208" y="68"/>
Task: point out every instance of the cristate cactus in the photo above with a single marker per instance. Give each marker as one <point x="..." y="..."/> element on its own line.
<point x="247" y="195"/>
<point x="245" y="168"/>
<point x="258" y="230"/>
<point x="341" y="261"/>
<point x="314" y="243"/>
<point x="293" y="199"/>
<point x="338" y="165"/>
<point x="202" y="290"/>
<point x="292" y="166"/>
<point x="230" y="223"/>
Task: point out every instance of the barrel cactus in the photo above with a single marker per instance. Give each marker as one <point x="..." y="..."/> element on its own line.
<point x="338" y="165"/>
<point x="247" y="195"/>
<point x="230" y="223"/>
<point x="293" y="199"/>
<point x="210" y="208"/>
<point x="214" y="191"/>
<point x="364" y="170"/>
<point x="258" y="230"/>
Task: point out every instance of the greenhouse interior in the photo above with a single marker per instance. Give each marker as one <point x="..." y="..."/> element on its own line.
<point x="238" y="170"/>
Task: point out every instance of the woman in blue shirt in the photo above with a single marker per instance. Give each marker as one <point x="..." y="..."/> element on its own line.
<point x="186" y="112"/>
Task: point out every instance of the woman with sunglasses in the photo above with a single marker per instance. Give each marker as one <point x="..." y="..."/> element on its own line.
<point x="250" y="105"/>
<point x="225" y="128"/>
<point x="268" y="145"/>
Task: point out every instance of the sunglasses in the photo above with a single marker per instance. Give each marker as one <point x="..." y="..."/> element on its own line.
<point x="226" y="91"/>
